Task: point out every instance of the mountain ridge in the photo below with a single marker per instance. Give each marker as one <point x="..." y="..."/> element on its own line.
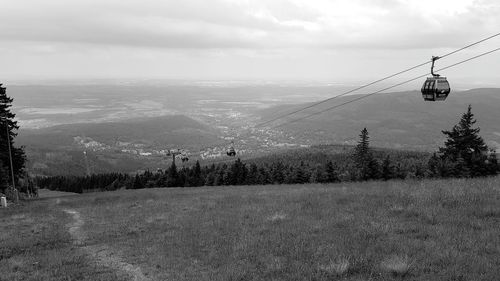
<point x="394" y="120"/>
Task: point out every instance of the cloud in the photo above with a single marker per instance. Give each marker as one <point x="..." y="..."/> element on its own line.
<point x="254" y="24"/>
<point x="236" y="38"/>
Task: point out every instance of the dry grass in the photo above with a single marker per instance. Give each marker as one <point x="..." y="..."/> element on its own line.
<point x="276" y="217"/>
<point x="35" y="245"/>
<point x="339" y="266"/>
<point x="398" y="265"/>
<point x="418" y="230"/>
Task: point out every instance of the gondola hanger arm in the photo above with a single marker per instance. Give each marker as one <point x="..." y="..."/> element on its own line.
<point x="434" y="58"/>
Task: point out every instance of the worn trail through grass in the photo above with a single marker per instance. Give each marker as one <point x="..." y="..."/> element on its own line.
<point x="102" y="254"/>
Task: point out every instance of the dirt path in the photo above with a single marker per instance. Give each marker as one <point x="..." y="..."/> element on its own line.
<point x="102" y="253"/>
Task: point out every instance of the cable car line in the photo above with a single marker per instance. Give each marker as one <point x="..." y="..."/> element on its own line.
<point x="470" y="45"/>
<point x="343" y="94"/>
<point x="393" y="86"/>
<point x="376" y="81"/>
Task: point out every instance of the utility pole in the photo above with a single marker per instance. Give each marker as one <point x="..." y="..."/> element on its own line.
<point x="175" y="152"/>
<point x="10" y="155"/>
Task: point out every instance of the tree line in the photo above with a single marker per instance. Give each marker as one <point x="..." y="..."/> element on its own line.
<point x="464" y="154"/>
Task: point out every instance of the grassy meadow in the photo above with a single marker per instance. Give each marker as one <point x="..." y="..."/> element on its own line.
<point x="396" y="230"/>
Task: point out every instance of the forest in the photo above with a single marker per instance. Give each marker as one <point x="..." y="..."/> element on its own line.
<point x="279" y="169"/>
<point x="464" y="154"/>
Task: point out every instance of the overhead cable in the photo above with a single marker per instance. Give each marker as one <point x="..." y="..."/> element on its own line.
<point x="374" y="82"/>
<point x="385" y="89"/>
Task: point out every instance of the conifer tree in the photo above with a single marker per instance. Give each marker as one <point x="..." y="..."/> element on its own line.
<point x="210" y="173"/>
<point x="492" y="161"/>
<point x="238" y="173"/>
<point x="365" y="163"/>
<point x="465" y="148"/>
<point x="433" y="166"/>
<point x="300" y="174"/>
<point x="219" y="178"/>
<point x="331" y="172"/>
<point x="173" y="176"/>
<point x="210" y="179"/>
<point x="387" y="169"/>
<point x="8" y="128"/>
<point x="263" y="177"/>
<point x="318" y="175"/>
<point x="253" y="174"/>
<point x="138" y="184"/>
<point x="362" y="148"/>
<point x="197" y="176"/>
<point x="227" y="178"/>
<point x="419" y="171"/>
<point x="373" y="168"/>
<point x="4" y="175"/>
<point x="277" y="172"/>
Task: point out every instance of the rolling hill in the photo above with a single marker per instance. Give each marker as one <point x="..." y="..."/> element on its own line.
<point x="111" y="146"/>
<point x="395" y="120"/>
<point x="156" y="131"/>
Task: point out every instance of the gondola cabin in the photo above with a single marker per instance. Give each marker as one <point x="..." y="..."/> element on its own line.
<point x="231" y="152"/>
<point x="435" y="89"/>
<point x="184" y="156"/>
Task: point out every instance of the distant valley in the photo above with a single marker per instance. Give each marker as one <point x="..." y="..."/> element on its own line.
<point x="70" y="129"/>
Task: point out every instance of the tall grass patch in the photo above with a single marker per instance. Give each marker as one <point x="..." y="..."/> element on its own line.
<point x="415" y="230"/>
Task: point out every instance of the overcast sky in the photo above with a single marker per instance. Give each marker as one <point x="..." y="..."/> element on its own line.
<point x="243" y="39"/>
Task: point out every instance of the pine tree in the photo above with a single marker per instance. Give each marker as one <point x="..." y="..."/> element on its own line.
<point x="300" y="174"/>
<point x="362" y="148"/>
<point x="238" y="173"/>
<point x="419" y="170"/>
<point x="465" y="148"/>
<point x="173" y="176"/>
<point x="197" y="178"/>
<point x="446" y="167"/>
<point x="4" y="175"/>
<point x="400" y="172"/>
<point x="331" y="172"/>
<point x="290" y="175"/>
<point x="318" y="175"/>
<point x="263" y="177"/>
<point x="492" y="161"/>
<point x="8" y="128"/>
<point x="210" y="173"/>
<point x="373" y="168"/>
<point x="387" y="168"/>
<point x="253" y="174"/>
<point x="433" y="166"/>
<point x="182" y="177"/>
<point x="277" y="173"/>
<point x="138" y="183"/>
<point x="363" y="158"/>
<point x="219" y="176"/>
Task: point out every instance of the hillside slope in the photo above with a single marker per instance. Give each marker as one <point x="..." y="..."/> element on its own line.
<point x="395" y="120"/>
<point x="157" y="131"/>
<point x="111" y="146"/>
<point x="397" y="230"/>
